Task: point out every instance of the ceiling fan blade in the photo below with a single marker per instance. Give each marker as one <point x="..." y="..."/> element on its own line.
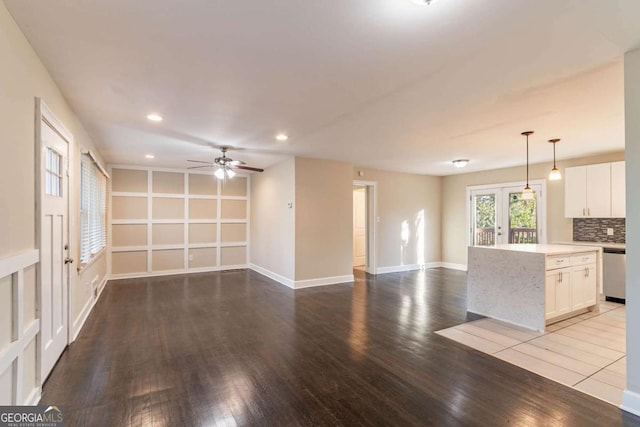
<point x="236" y="163"/>
<point x="203" y="166"/>
<point x="198" y="161"/>
<point x="248" y="168"/>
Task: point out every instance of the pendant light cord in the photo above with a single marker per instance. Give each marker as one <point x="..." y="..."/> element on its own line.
<point x="527" y="161"/>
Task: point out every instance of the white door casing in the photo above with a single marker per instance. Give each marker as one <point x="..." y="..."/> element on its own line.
<point x="359" y="227"/>
<point x="501" y="229"/>
<point x="53" y="239"/>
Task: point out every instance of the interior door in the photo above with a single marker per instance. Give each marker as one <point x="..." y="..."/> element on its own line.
<point x="359" y="227"/>
<point x="54" y="238"/>
<point x="486" y="221"/>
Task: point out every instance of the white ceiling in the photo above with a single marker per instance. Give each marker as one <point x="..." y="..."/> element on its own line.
<point x="380" y="83"/>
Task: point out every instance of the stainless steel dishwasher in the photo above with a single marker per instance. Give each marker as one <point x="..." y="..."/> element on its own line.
<point x="614" y="269"/>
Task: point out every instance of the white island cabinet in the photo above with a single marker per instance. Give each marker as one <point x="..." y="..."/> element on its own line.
<point x="533" y="285"/>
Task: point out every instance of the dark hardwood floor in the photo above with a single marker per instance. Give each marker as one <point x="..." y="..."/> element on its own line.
<point x="236" y="348"/>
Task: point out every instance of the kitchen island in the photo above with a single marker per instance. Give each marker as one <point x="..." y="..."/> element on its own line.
<point x="533" y="285"/>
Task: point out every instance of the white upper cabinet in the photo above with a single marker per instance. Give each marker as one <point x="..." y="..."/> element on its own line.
<point x="588" y="191"/>
<point x="575" y="192"/>
<point x="599" y="190"/>
<point x="618" y="195"/>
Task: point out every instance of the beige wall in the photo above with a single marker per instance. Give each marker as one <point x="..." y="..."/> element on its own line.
<point x="323" y="218"/>
<point x="406" y="201"/>
<point x="272" y="221"/>
<point x="23" y="77"/>
<point x="631" y="398"/>
<point x="454" y="214"/>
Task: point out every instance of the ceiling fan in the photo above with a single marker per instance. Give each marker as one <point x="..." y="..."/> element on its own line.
<point x="226" y="166"/>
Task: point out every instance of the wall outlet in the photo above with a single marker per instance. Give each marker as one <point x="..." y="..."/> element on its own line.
<point x="190" y="257"/>
<point x="609" y="231"/>
<point x="290" y="205"/>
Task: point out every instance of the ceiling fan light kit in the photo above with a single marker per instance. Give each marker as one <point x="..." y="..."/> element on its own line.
<point x="226" y="166"/>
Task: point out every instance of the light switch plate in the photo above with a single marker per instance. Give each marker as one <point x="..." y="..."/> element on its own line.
<point x="609" y="231"/>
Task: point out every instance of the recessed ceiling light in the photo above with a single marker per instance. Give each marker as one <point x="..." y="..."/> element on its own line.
<point x="149" y="156"/>
<point x="460" y="163"/>
<point x="282" y="137"/>
<point x="423" y="2"/>
<point x="154" y="117"/>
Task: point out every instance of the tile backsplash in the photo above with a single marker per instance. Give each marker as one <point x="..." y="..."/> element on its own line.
<point x="595" y="230"/>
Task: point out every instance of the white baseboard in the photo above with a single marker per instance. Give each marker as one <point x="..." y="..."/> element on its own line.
<point x="86" y="310"/>
<point x="34" y="397"/>
<point x="273" y="276"/>
<point x="436" y="264"/>
<point x="323" y="281"/>
<point x="82" y="317"/>
<point x="177" y="272"/>
<point x="631" y="402"/>
<point x="397" y="268"/>
<point x="453" y="266"/>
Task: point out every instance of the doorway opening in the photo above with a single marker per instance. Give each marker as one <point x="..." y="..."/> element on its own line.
<point x="364" y="221"/>
<point x="497" y="214"/>
<point x="359" y="227"/>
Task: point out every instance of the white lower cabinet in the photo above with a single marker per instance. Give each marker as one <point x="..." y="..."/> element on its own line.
<point x="558" y="293"/>
<point x="571" y="288"/>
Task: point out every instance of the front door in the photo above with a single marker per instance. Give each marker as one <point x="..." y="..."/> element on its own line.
<point x="54" y="240"/>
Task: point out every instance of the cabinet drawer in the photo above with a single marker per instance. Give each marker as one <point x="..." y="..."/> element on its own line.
<point x="586" y="258"/>
<point x="558" y="261"/>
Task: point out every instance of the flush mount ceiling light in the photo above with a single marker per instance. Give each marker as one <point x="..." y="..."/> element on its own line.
<point x="555" y="174"/>
<point x="154" y="117"/>
<point x="423" y="2"/>
<point x="460" y="163"/>
<point x="527" y="193"/>
<point x="149" y="156"/>
<point x="282" y="137"/>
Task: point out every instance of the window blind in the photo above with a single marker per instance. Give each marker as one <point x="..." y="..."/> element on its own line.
<point x="93" y="195"/>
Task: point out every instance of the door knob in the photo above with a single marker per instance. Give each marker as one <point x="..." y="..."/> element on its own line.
<point x="68" y="260"/>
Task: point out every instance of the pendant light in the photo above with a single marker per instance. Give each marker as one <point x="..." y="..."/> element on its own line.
<point x="527" y="193"/>
<point x="555" y="174"/>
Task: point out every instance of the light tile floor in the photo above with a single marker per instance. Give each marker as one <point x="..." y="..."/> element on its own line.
<point x="586" y="352"/>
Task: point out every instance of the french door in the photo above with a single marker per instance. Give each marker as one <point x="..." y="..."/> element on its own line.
<point x="500" y="215"/>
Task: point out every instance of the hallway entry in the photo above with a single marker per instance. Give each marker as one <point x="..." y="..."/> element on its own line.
<point x="359" y="226"/>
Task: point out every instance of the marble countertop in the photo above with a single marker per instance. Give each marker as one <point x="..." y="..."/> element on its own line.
<point x="543" y="249"/>
<point x="600" y="244"/>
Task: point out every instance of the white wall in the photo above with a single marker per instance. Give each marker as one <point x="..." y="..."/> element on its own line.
<point x="273" y="221"/>
<point x="631" y="398"/>
<point x="23" y="77"/>
<point x="454" y="211"/>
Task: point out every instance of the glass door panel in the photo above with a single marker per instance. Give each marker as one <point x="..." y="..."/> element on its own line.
<point x="523" y="218"/>
<point x="485" y="225"/>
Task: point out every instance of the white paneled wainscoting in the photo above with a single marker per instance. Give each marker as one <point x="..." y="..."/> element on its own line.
<point x="19" y="327"/>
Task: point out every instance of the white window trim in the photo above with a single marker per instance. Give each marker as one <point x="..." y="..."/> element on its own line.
<point x="85" y="262"/>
